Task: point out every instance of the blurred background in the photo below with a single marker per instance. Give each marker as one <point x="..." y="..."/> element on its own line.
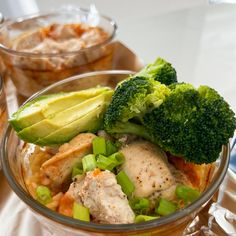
<point x="197" y="36"/>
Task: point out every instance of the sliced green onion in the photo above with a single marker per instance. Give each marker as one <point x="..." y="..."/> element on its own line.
<point x="126" y="185"/>
<point x="140" y="205"/>
<point x="142" y="218"/>
<point x="89" y="162"/>
<point x="43" y="195"/>
<point x="186" y="193"/>
<point x="110" y="148"/>
<point x="165" y="207"/>
<point x="80" y="212"/>
<point x="105" y="163"/>
<point x="109" y="163"/>
<point x="99" y="146"/>
<point x="77" y="169"/>
<point x="117" y="158"/>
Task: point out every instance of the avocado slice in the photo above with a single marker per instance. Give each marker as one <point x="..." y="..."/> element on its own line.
<point x="31" y="113"/>
<point x="48" y="105"/>
<point x="91" y="122"/>
<point x="57" y="121"/>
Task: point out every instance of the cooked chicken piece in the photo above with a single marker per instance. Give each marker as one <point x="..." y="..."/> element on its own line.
<point x="93" y="36"/>
<point x="52" y="46"/>
<point x="98" y="191"/>
<point x="60" y="32"/>
<point x="169" y="193"/>
<point x="147" y="167"/>
<point x="77" y="141"/>
<point x="56" y="170"/>
<point x="32" y="157"/>
<point x="105" y="199"/>
<point x="75" y="188"/>
<point x="199" y="175"/>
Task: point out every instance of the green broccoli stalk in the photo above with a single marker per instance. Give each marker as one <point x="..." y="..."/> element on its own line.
<point x="161" y="71"/>
<point x="130" y="128"/>
<point x="191" y="123"/>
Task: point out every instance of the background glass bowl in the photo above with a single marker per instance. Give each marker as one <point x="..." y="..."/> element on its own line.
<point x="12" y="167"/>
<point x="30" y="72"/>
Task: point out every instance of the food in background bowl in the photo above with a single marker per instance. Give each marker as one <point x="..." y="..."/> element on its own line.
<point x="58" y="38"/>
<point x="53" y="189"/>
<point x="41" y="50"/>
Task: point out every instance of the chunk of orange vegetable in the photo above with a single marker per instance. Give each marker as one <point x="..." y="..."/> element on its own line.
<point x="66" y="205"/>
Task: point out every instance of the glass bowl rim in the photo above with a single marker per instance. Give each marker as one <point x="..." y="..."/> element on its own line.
<point x="1" y="84"/>
<point x="53" y="13"/>
<point x="77" y="224"/>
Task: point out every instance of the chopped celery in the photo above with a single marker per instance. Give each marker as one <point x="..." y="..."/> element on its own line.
<point x="43" y="195"/>
<point x="77" y="169"/>
<point x="80" y="212"/>
<point x="89" y="162"/>
<point x="186" y="193"/>
<point x="99" y="146"/>
<point x="165" y="207"/>
<point x="142" y="218"/>
<point x="126" y="185"/>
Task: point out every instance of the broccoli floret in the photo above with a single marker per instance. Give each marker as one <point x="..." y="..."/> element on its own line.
<point x="187" y="122"/>
<point x="161" y="71"/>
<point x="138" y="95"/>
<point x="131" y="100"/>
<point x="191" y="123"/>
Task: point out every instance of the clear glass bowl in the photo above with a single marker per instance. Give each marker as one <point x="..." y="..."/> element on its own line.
<point x="176" y="222"/>
<point x="33" y="71"/>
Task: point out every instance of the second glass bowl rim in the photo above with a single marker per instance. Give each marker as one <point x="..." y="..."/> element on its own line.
<point x="55" y="12"/>
<point x="33" y="204"/>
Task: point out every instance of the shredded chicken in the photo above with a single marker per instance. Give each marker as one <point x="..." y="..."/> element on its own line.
<point x="60" y="38"/>
<point x="100" y="193"/>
